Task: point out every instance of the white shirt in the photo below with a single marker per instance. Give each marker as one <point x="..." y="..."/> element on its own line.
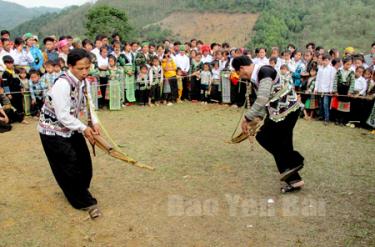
<point x="61" y="102"/>
<point x="183" y="62"/>
<point x="96" y="52"/>
<point x="360" y="86"/>
<point x="207" y="59"/>
<point x="216" y="74"/>
<point x="324" y="79"/>
<point x="261" y="61"/>
<point x="102" y="61"/>
<point x="22" y="58"/>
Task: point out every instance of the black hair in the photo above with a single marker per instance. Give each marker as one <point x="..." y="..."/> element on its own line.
<point x="225" y="45"/>
<point x="47" y="39"/>
<point x="33" y="71"/>
<point x="18" y="41"/>
<point x="372" y="44"/>
<point x="200" y="42"/>
<point x="284" y="66"/>
<point x="359" y="57"/>
<point x="319" y="48"/>
<point x="62" y="38"/>
<point x="8" y="59"/>
<point x="133" y="43"/>
<point x="49" y="62"/>
<point x="262" y="48"/>
<point x="267" y="71"/>
<point x="193" y="40"/>
<point x="313" y="66"/>
<point x="143" y="66"/>
<point x="326" y="56"/>
<point x="291" y="45"/>
<point x="241" y="61"/>
<point x="86" y="41"/>
<point x="102" y="48"/>
<point x="4" y="40"/>
<point x="335" y="61"/>
<point x="213" y="45"/>
<point x="273" y="59"/>
<point x="77" y="54"/>
<point x="310" y="44"/>
<point x="346" y="59"/>
<point x="360" y="67"/>
<point x="256" y="51"/>
<point x="332" y="51"/>
<point x="3" y="32"/>
<point x="177" y="43"/>
<point x="112" y="57"/>
<point x="178" y="69"/>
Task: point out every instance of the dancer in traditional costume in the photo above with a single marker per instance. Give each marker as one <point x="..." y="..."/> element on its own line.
<point x="62" y="133"/>
<point x="278" y="107"/>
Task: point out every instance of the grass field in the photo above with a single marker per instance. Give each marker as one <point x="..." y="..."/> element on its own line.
<point x="203" y="192"/>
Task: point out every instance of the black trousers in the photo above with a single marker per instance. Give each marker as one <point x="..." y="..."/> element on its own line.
<point x="195" y="88"/>
<point x="103" y="88"/>
<point x="70" y="162"/>
<point x="174" y="88"/>
<point x="277" y="138"/>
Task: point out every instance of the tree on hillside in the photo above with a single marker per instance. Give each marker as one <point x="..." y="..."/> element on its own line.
<point x="106" y="20"/>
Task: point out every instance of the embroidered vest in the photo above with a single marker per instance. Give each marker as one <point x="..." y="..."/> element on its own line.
<point x="48" y="122"/>
<point x="283" y="100"/>
<point x="156" y="75"/>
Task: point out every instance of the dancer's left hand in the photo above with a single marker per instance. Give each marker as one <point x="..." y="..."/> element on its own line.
<point x="96" y="129"/>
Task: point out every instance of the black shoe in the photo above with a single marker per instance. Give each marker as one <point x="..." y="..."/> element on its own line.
<point x="289" y="172"/>
<point x="291" y="187"/>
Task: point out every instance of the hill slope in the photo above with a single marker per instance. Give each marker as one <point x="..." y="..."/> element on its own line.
<point x="13" y="14"/>
<point x="211" y="26"/>
<point x="330" y="23"/>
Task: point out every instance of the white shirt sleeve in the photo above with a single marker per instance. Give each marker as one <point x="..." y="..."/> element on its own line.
<point x="60" y="94"/>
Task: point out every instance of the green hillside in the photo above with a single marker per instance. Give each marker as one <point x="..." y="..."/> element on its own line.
<point x="330" y="23"/>
<point x="14" y="14"/>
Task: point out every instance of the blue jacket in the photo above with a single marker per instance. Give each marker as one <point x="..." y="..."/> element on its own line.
<point x="38" y="58"/>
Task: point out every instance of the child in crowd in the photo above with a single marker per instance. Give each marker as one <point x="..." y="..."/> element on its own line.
<point x="12" y="86"/>
<point x="179" y="76"/>
<point x="323" y="86"/>
<point x="343" y="85"/>
<point x="311" y="103"/>
<point x="57" y="69"/>
<point x="285" y="75"/>
<point x="4" y="121"/>
<point x="216" y="83"/>
<point x="195" y="69"/>
<point x="22" y="75"/>
<point x="115" y="90"/>
<point x="156" y="80"/>
<point x="38" y="92"/>
<point x="360" y="84"/>
<point x="299" y="67"/>
<point x="206" y="81"/>
<point x="50" y="76"/>
<point x="370" y="82"/>
<point x="143" y="85"/>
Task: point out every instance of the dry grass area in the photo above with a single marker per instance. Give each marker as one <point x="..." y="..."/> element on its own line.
<point x="211" y="27"/>
<point x="203" y="192"/>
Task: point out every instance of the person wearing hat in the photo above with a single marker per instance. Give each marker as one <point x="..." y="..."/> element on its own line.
<point x="206" y="56"/>
<point x="278" y="107"/>
<point x="349" y="51"/>
<point x="31" y="41"/>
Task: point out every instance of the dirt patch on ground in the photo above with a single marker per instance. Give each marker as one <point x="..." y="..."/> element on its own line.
<point x="211" y="27"/>
<point x="203" y="193"/>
